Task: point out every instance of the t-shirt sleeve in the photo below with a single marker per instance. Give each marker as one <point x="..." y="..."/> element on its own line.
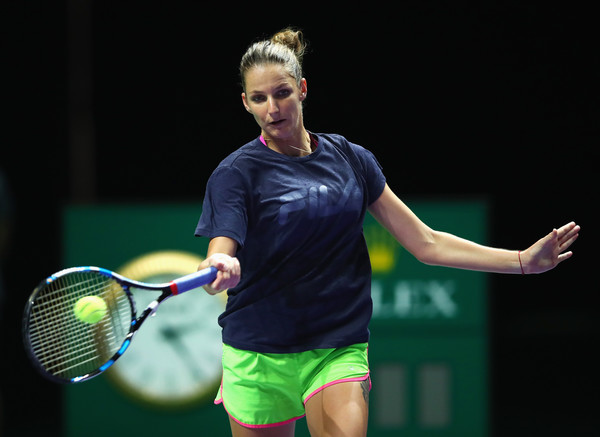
<point x="372" y="172"/>
<point x="224" y="206"/>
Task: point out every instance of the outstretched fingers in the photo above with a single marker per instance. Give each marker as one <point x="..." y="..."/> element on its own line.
<point x="566" y="235"/>
<point x="563" y="238"/>
<point x="551" y="250"/>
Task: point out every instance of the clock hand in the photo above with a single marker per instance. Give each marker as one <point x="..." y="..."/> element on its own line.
<point x="173" y="337"/>
<point x="182" y="328"/>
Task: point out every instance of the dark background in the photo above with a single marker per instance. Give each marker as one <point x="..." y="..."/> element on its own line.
<point x="492" y="100"/>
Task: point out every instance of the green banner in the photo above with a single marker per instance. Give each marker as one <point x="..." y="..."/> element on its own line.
<point x="428" y="347"/>
<point x="428" y="334"/>
<point x="409" y="294"/>
<point x="166" y="381"/>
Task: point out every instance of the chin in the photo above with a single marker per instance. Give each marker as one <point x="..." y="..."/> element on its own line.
<point x="282" y="132"/>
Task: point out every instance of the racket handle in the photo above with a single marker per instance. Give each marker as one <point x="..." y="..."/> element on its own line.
<point x="194" y="280"/>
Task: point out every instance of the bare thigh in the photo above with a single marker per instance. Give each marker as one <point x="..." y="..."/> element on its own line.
<point x="238" y="430"/>
<point x="340" y="410"/>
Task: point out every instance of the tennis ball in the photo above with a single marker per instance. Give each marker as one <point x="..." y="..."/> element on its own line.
<point x="90" y="309"/>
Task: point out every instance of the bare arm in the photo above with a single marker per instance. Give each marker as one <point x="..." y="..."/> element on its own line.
<point x="220" y="254"/>
<point x="440" y="248"/>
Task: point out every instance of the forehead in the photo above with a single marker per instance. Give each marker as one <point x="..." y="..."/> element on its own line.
<point x="263" y="77"/>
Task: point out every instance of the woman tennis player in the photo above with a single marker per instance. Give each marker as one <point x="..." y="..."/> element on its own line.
<point x="284" y="216"/>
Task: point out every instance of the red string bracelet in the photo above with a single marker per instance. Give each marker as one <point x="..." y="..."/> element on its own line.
<point x="520" y="263"/>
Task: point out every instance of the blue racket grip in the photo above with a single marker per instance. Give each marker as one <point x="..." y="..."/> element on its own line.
<point x="194" y="280"/>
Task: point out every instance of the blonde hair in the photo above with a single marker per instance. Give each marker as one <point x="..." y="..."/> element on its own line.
<point x="285" y="48"/>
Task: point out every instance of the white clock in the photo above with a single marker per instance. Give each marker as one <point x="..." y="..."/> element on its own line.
<point x="175" y="359"/>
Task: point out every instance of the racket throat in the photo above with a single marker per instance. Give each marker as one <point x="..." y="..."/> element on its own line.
<point x="152" y="308"/>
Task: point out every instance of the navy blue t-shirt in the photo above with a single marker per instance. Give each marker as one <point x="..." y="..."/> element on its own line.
<point x="306" y="274"/>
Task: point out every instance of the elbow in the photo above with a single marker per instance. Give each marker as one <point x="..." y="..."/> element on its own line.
<point x="427" y="251"/>
<point x="426" y="257"/>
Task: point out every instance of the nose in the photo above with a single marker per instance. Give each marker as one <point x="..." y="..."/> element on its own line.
<point x="272" y="106"/>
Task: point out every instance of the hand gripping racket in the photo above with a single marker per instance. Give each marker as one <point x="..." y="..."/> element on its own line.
<point x="68" y="350"/>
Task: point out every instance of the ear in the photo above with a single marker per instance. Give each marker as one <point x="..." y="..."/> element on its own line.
<point x="245" y="102"/>
<point x="303" y="89"/>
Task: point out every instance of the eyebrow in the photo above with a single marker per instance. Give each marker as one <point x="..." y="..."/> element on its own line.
<point x="276" y="88"/>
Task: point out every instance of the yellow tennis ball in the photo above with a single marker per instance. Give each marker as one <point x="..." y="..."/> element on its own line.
<point x="90" y="309"/>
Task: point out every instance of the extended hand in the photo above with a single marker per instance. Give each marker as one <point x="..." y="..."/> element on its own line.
<point x="549" y="251"/>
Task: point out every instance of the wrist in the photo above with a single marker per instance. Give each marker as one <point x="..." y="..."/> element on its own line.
<point x="521" y="262"/>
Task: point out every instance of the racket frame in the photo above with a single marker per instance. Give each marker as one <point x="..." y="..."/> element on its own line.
<point x="169" y="289"/>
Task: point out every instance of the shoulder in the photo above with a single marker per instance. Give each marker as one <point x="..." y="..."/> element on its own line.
<point x="332" y="139"/>
<point x="236" y="167"/>
<point x="247" y="152"/>
<point x="362" y="161"/>
<point x="342" y="143"/>
<point x="243" y="159"/>
<point x="350" y="150"/>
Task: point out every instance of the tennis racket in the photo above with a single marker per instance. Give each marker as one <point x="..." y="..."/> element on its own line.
<point x="68" y="350"/>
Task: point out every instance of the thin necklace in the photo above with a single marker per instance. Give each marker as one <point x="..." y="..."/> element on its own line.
<point x="302" y="151"/>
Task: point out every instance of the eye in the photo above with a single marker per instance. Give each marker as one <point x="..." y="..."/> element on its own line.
<point x="283" y="93"/>
<point x="258" y="98"/>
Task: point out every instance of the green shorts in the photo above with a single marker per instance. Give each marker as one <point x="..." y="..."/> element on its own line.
<point x="261" y="390"/>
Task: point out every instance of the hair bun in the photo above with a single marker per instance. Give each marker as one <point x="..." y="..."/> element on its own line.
<point x="292" y="39"/>
<point x="285" y="48"/>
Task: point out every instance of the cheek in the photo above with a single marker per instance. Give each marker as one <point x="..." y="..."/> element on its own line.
<point x="257" y="113"/>
<point x="259" y="120"/>
<point x="298" y="110"/>
<point x="292" y="107"/>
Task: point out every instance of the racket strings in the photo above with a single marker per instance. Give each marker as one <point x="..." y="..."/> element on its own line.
<point x="65" y="346"/>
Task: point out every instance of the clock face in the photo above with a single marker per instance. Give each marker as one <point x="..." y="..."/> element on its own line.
<point x="175" y="357"/>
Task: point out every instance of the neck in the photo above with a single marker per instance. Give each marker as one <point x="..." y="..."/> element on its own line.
<point x="299" y="145"/>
